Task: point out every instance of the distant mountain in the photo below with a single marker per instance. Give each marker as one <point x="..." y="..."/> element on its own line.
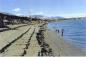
<point x="45" y="17"/>
<point x="56" y="17"/>
<point x="39" y="16"/>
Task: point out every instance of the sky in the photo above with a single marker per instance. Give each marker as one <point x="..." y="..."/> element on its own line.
<point x="64" y="8"/>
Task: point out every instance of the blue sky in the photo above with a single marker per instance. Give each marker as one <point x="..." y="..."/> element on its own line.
<point x="65" y="8"/>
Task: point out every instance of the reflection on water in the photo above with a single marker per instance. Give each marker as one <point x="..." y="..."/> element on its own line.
<point x="74" y="31"/>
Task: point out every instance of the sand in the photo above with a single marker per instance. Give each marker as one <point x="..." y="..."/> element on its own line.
<point x="60" y="46"/>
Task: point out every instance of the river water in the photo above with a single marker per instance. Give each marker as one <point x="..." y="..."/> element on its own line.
<point x="74" y="31"/>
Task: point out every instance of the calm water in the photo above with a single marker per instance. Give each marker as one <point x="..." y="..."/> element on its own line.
<point x="74" y="31"/>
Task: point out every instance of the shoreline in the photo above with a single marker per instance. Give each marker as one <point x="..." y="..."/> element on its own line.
<point x="38" y="41"/>
<point x="60" y="46"/>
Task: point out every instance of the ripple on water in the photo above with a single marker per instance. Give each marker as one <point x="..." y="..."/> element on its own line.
<point x="74" y="31"/>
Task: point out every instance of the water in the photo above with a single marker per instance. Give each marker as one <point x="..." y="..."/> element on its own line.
<point x="74" y="31"/>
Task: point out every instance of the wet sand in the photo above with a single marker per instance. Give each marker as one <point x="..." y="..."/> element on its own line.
<point x="60" y="47"/>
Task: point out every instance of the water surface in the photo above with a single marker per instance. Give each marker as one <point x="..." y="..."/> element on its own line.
<point x="74" y="31"/>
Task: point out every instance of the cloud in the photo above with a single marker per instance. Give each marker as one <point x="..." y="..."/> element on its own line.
<point x="40" y="13"/>
<point x="36" y="13"/>
<point x="16" y="9"/>
<point x="18" y="14"/>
